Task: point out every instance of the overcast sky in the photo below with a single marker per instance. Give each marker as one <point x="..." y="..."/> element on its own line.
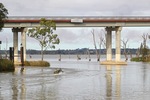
<point x="72" y="38"/>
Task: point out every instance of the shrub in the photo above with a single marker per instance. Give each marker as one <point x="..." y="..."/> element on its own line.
<point x="37" y="63"/>
<point x="141" y="59"/>
<point x="6" y="65"/>
<point x="137" y="59"/>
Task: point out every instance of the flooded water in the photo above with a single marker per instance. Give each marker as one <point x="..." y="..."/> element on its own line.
<point x="80" y="80"/>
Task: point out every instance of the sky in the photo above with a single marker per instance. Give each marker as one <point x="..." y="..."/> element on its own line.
<point x="73" y="38"/>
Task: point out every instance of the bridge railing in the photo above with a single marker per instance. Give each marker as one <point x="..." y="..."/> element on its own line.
<point x="79" y="17"/>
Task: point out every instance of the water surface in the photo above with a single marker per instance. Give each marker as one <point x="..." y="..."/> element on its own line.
<point x="81" y="80"/>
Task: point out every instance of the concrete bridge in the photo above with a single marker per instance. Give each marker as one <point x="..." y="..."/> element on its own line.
<point x="111" y="23"/>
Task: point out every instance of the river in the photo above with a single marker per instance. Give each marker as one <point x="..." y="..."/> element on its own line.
<point x="80" y="80"/>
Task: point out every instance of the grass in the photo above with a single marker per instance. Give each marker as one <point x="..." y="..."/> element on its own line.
<point x="6" y="65"/>
<point x="37" y="63"/>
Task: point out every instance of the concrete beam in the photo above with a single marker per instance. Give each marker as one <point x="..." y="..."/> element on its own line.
<point x="94" y="24"/>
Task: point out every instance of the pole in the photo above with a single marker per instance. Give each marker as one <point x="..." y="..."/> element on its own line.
<point x="22" y="56"/>
<point x="11" y="54"/>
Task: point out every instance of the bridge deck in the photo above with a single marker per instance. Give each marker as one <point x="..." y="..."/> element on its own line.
<point x="79" y="21"/>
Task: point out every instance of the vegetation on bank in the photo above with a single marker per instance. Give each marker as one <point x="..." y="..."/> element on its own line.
<point x="6" y="65"/>
<point x="143" y="53"/>
<point x="141" y="59"/>
<point x="37" y="63"/>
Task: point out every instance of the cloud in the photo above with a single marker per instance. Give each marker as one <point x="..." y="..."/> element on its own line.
<point x="134" y="35"/>
<point x="79" y="36"/>
<point x="74" y="37"/>
<point x="77" y="7"/>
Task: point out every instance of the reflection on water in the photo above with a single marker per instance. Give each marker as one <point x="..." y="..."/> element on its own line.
<point x="81" y="80"/>
<point x="118" y="81"/>
<point x="108" y="82"/>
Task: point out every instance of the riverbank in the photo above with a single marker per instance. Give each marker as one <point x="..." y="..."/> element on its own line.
<point x="6" y="65"/>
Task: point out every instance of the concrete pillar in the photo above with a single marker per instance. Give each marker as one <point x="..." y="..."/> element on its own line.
<point x="23" y="41"/>
<point x="118" y="43"/>
<point x="15" y="44"/>
<point x="108" y="44"/>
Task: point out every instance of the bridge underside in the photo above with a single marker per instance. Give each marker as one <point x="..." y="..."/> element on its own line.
<point x="101" y="24"/>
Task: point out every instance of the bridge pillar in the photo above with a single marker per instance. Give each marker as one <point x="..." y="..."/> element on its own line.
<point x="109" y="60"/>
<point x="118" y="43"/>
<point x="23" y="41"/>
<point x="15" y="44"/>
<point x="108" y="43"/>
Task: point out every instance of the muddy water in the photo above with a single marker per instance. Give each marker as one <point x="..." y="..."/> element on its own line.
<point x="81" y="80"/>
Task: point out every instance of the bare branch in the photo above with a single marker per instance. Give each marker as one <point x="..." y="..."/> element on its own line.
<point x="95" y="45"/>
<point x="124" y="47"/>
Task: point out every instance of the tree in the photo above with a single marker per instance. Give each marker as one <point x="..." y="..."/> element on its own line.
<point x="44" y="34"/>
<point x="97" y="53"/>
<point x="3" y="15"/>
<point x="145" y="47"/>
<point x="124" y="45"/>
<point x="102" y="41"/>
<point x="141" y="48"/>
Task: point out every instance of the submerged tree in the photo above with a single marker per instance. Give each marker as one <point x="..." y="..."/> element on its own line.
<point x="3" y="15"/>
<point x="102" y="42"/>
<point x="44" y="34"/>
<point x="124" y="45"/>
<point x="144" y="47"/>
<point x="94" y="41"/>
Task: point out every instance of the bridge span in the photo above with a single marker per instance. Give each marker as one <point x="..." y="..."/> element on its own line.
<point x="79" y="21"/>
<point x="111" y="23"/>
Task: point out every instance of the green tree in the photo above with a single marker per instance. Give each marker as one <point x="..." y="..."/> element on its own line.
<point x="44" y="34"/>
<point x="3" y="15"/>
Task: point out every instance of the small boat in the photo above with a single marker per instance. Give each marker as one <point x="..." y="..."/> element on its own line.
<point x="58" y="71"/>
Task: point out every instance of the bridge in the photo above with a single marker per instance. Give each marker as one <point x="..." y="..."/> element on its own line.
<point x="111" y="23"/>
<point x="87" y="21"/>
